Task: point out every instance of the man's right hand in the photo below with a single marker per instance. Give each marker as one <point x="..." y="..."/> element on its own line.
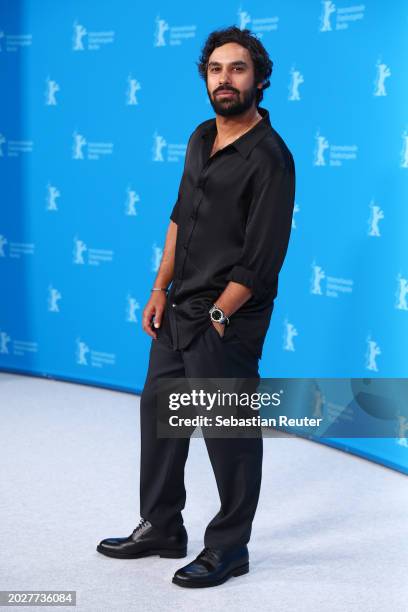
<point x="154" y="308"/>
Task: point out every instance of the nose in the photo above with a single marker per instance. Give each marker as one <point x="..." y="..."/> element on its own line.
<point x="224" y="77"/>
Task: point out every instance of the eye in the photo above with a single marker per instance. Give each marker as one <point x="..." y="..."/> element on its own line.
<point x="215" y="68"/>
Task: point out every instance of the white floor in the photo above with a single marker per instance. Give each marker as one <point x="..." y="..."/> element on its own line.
<point x="330" y="533"/>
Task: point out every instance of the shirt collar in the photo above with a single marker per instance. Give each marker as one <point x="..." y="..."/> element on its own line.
<point x="245" y="143"/>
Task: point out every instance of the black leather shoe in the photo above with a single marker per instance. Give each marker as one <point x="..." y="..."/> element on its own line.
<point x="144" y="541"/>
<point x="213" y="567"/>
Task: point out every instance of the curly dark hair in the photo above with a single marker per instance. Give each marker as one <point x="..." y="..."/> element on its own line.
<point x="262" y="63"/>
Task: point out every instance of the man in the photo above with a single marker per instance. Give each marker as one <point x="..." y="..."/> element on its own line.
<point x="225" y="245"/>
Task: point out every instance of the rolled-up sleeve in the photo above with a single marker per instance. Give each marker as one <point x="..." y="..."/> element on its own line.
<point x="175" y="213"/>
<point x="267" y="233"/>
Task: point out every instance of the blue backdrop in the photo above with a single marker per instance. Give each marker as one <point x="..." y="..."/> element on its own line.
<point x="97" y="102"/>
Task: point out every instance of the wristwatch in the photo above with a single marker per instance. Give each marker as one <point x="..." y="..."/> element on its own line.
<point x="218" y="315"/>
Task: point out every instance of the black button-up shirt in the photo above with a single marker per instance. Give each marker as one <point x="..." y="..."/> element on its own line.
<point x="234" y="216"/>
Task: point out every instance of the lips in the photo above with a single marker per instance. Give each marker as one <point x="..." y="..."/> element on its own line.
<point x="225" y="92"/>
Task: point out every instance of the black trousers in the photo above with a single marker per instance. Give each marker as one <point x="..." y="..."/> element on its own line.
<point x="236" y="462"/>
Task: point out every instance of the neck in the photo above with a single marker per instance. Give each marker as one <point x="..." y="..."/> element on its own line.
<point x="228" y="127"/>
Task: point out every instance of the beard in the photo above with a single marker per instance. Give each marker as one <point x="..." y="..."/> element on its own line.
<point x="236" y="105"/>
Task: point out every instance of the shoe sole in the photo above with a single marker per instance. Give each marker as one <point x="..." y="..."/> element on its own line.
<point x="162" y="552"/>
<point x="196" y="584"/>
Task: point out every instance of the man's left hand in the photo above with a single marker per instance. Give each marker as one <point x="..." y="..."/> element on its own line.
<point x="220" y="328"/>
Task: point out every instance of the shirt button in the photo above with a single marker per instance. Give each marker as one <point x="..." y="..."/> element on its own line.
<point x="185" y="246"/>
<point x="174" y="305"/>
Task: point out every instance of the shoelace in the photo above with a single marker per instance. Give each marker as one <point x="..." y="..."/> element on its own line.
<point x="142" y="524"/>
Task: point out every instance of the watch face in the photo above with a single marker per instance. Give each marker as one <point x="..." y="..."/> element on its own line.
<point x="216" y="315"/>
